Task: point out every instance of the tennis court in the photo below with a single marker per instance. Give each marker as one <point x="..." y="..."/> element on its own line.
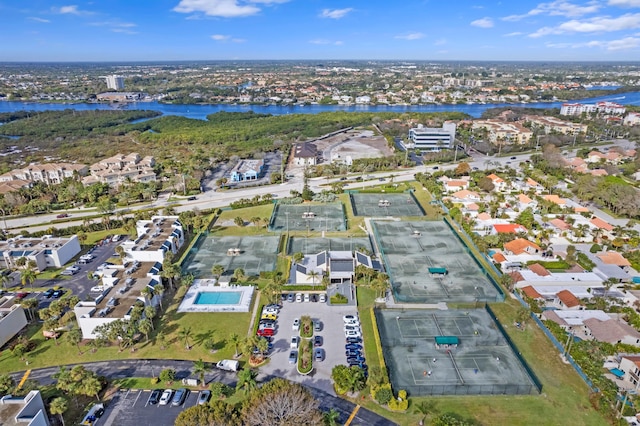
<point x="410" y="250"/>
<point x="382" y="205"/>
<point x="481" y="363"/>
<point x="316" y="245"/>
<point x="308" y="217"/>
<point x="253" y="254"/>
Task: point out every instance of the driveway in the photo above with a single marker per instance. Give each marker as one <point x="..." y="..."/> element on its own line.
<point x="333" y="343"/>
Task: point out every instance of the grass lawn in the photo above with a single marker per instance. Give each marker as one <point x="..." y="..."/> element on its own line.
<point x="203" y="326"/>
<point x="353" y="222"/>
<point x="424" y="198"/>
<point x="264" y="211"/>
<point x="366" y="299"/>
<point x="94" y="237"/>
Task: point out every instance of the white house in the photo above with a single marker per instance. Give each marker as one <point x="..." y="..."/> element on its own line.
<point x="156" y="237"/>
<point x="338" y="266"/>
<point x="46" y="251"/>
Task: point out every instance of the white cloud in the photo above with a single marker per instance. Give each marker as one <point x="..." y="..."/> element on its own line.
<point x="599" y="24"/>
<point x="223" y="8"/>
<point x="36" y="19"/>
<point x="410" y="36"/>
<point x="324" y="41"/>
<point x="70" y="10"/>
<point x="440" y="42"/>
<point x="513" y="34"/>
<point x="335" y="13"/>
<point x="225" y="38"/>
<point x="483" y="23"/>
<point x="620" y="44"/>
<point x="123" y="31"/>
<point x="558" y="8"/>
<point x="624" y="3"/>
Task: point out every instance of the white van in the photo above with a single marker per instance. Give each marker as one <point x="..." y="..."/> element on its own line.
<point x="228" y="365"/>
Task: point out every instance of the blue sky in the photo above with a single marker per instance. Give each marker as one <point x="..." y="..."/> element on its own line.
<point x="136" y="30"/>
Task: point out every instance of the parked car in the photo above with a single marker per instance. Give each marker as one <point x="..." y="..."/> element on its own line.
<point x="298" y="297"/>
<point x="58" y="294"/>
<point x="267" y="323"/>
<point x="318" y="354"/>
<point x="48" y="293"/>
<point x="267" y="332"/>
<point x="317" y="325"/>
<point x="353" y="346"/>
<point x="352" y="333"/>
<point x="290" y="297"/>
<point x="296" y="324"/>
<point x="22" y="295"/>
<point x="351" y="328"/>
<point x="192" y="198"/>
<point x="295" y="341"/>
<point x="204" y="397"/>
<point x="323" y="298"/>
<point x="155" y="396"/>
<point x="273" y="306"/>
<point x="348" y="318"/>
<point x="62" y="215"/>
<point x="293" y="357"/>
<point x="354" y="340"/>
<point x="350" y="353"/>
<point x="317" y="341"/>
<point x="179" y="397"/>
<point x="269" y="316"/>
<point x="166" y="397"/>
<point x="307" y="297"/>
<point x="353" y="323"/>
<point x="355" y="360"/>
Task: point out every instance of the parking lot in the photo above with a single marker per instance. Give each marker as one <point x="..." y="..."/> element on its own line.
<point x="333" y="342"/>
<point x="132" y="408"/>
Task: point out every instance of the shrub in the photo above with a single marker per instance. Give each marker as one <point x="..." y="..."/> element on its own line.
<point x="338" y="299"/>
<point x="595" y="248"/>
<point x="168" y="375"/>
<point x="220" y="390"/>
<point x="155" y="380"/>
<point x="384" y="395"/>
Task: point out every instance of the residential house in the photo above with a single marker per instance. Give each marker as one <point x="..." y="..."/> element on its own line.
<point x="560" y="227"/>
<point x="521" y="246"/>
<point x="573" y="321"/>
<point x="577" y="164"/>
<point x="28" y="410"/>
<point x="12" y="318"/>
<point x="455" y="185"/>
<point x="247" y="170"/>
<point x="531" y="184"/>
<point x="13" y="185"/>
<point x="605" y="228"/>
<point x="465" y="196"/>
<point x="49" y="173"/>
<point x="508" y="228"/>
<point x="612" y="331"/>
<point x="498" y="183"/>
<point x="121" y="168"/>
<point x="305" y="154"/>
<point x="524" y="202"/>
<point x="46" y="251"/>
<point x="567" y="300"/>
<point x="630" y="367"/>
<point x="553" y="198"/>
<point x="632" y="119"/>
<point x="531" y="293"/>
<point x="614" y="258"/>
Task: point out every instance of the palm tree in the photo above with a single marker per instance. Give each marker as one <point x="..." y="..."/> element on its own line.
<point x="187" y="279"/>
<point x="247" y="380"/>
<point x="185" y="334"/>
<point x="145" y="326"/>
<point x="234" y="339"/>
<point x="424" y="408"/>
<point x="150" y="313"/>
<point x="74" y="337"/>
<point x="238" y="274"/>
<point x="28" y="276"/>
<point x="331" y="417"/>
<point x="262" y="345"/>
<point x="313" y="274"/>
<point x="4" y="280"/>
<point x="217" y="271"/>
<point x="29" y="305"/>
<point x="199" y="369"/>
<point x="158" y="290"/>
<point x="59" y="406"/>
<point x="170" y="271"/>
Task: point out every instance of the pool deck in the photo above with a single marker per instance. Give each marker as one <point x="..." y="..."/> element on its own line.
<point x="209" y="285"/>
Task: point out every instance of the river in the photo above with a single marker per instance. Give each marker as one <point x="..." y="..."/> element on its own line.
<point x="201" y="111"/>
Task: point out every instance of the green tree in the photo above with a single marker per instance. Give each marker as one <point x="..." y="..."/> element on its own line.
<point x="525" y="218"/>
<point x="216" y="413"/>
<point x="6" y="384"/>
<point x="158" y="290"/>
<point x="239" y="275"/>
<point x="235" y="340"/>
<point x="238" y="221"/>
<point x="331" y="417"/>
<point x="74" y="337"/>
<point x="145" y="326"/>
<point x="59" y="406"/>
<point x="28" y="277"/>
<point x="170" y="271"/>
<point x="168" y="375"/>
<point x="217" y="271"/>
<point x="247" y="380"/>
<point x="200" y="368"/>
<point x="4" y="280"/>
<point x="185" y="334"/>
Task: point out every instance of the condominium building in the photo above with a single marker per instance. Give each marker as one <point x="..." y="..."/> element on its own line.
<point x="552" y="124"/>
<point x="599" y="107"/>
<point x="115" y="82"/>
<point x="46" y="251"/>
<point x="156" y="237"/>
<point x="500" y="132"/>
<point x="120" y="168"/>
<point x="433" y="138"/>
<point x="12" y="319"/>
<point x="49" y="173"/>
<point x="28" y="410"/>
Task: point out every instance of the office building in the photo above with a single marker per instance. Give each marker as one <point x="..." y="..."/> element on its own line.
<point x="433" y="138"/>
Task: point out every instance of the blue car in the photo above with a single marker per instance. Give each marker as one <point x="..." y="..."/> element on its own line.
<point x="351" y="353"/>
<point x="353" y="346"/>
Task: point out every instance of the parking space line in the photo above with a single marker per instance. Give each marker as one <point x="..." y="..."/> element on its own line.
<point x="24" y="378"/>
<point x="136" y="400"/>
<point x="353" y="415"/>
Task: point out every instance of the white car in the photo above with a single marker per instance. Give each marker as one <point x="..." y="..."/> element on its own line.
<point x="351" y="327"/>
<point x="267" y="311"/>
<point x="354" y="323"/>
<point x="165" y="399"/>
<point x="296" y="324"/>
<point x="307" y="297"/>
<point x="97" y="289"/>
<point x="295" y="340"/>
<point x="348" y="318"/>
<point x="323" y="298"/>
<point x="352" y="333"/>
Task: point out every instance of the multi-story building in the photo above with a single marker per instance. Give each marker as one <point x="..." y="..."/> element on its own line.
<point x="155" y="238"/>
<point x="247" y="170"/>
<point x="46" y="251"/>
<point x="599" y="107"/>
<point x="12" y="319"/>
<point x="305" y="154"/>
<point x="502" y="133"/>
<point x="49" y="173"/>
<point x="552" y="124"/>
<point x="120" y="168"/>
<point x="632" y="119"/>
<point x="433" y="138"/>
<point x="115" y="82"/>
<point x="28" y="410"/>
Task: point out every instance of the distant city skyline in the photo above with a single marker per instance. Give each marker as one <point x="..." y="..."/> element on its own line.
<point x="174" y="30"/>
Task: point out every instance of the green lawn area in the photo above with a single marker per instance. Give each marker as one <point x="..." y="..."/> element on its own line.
<point x="94" y="237"/>
<point x="224" y="229"/>
<point x="424" y="198"/>
<point x="353" y="222"/>
<point x="264" y="211"/>
<point x="564" y="399"/>
<point x="203" y="326"/>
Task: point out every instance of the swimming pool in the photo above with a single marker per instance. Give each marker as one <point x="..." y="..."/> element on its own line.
<point x="218" y="298"/>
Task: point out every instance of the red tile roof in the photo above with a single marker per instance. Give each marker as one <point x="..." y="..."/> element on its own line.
<point x="539" y="270"/>
<point x="520" y="245"/>
<point x="531" y="292"/>
<point x="601" y="224"/>
<point x="512" y="228"/>
<point x="568" y="298"/>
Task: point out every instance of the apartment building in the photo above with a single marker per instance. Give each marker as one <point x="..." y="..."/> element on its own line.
<point x="46" y="251"/>
<point x="49" y="173"/>
<point x="28" y="410"/>
<point x="552" y="124"/>
<point x="115" y="82"/>
<point x="12" y="319"/>
<point x="599" y="107"/>
<point x="120" y="168"/>
<point x="433" y="138"/>
<point x="501" y="132"/>
<point x="155" y="238"/>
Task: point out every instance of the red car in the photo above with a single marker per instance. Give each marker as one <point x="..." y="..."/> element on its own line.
<point x="265" y="332"/>
<point x="62" y="215"/>
<point x="21" y="295"/>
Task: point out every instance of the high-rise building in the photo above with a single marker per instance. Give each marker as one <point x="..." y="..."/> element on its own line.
<point x="115" y="82"/>
<point x="433" y="139"/>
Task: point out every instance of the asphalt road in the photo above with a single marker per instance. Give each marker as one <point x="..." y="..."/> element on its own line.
<point x="122" y="369"/>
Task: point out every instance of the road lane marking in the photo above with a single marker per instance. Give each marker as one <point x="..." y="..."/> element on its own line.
<point x="353" y="415"/>
<point x="24" y="378"/>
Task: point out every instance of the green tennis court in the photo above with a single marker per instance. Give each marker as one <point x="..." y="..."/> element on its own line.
<point x="327" y="217"/>
<point x="382" y="205"/>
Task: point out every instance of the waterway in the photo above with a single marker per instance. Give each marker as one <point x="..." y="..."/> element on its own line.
<point x="201" y="111"/>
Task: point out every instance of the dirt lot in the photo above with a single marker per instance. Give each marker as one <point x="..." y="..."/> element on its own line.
<point x="356" y="144"/>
